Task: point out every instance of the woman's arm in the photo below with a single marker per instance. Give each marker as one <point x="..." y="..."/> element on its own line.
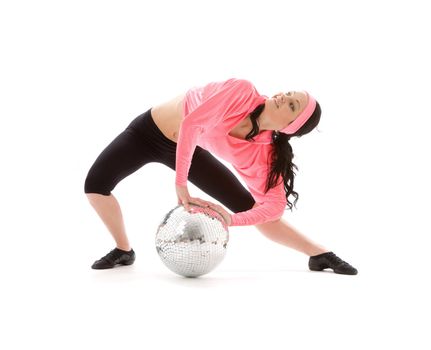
<point x="232" y="97"/>
<point x="259" y="214"/>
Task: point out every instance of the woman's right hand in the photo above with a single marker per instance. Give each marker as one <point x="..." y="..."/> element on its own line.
<point x="184" y="198"/>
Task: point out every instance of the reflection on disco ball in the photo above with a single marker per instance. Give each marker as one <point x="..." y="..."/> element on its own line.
<point x="192" y="243"/>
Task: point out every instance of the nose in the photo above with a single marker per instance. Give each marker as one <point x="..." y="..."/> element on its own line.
<point x="304" y="95"/>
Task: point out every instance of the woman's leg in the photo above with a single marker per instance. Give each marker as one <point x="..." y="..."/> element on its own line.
<point x="215" y="179"/>
<point x="108" y="209"/>
<point x="128" y="152"/>
<point x="281" y="232"/>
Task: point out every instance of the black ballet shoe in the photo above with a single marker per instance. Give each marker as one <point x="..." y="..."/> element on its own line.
<point x="113" y="258"/>
<point x="330" y="260"/>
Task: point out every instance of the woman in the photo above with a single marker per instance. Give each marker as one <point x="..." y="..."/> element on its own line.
<point x="231" y="120"/>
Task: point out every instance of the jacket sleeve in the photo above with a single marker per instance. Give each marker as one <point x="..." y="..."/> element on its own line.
<point x="232" y="97"/>
<point x="264" y="212"/>
<point x="271" y="207"/>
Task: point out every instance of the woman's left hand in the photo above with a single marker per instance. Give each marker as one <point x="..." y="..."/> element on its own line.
<point x="226" y="215"/>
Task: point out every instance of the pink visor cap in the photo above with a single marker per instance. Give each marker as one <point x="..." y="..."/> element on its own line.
<point x="302" y="118"/>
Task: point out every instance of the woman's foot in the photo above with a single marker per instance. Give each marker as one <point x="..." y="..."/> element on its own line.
<point x="330" y="260"/>
<point x="113" y="258"/>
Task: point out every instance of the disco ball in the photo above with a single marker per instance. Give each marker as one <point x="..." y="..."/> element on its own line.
<point x="192" y="243"/>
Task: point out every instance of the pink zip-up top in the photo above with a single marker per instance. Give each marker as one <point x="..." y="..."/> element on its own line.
<point x="210" y="113"/>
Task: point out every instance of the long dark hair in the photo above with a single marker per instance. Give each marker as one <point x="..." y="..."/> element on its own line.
<point x="282" y="153"/>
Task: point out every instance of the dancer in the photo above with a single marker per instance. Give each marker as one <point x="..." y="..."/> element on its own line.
<point x="233" y="121"/>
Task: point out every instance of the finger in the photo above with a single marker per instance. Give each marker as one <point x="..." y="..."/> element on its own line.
<point x="185" y="204"/>
<point x="200" y="202"/>
<point x="213" y="206"/>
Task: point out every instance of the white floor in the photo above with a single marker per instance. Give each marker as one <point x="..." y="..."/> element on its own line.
<point x="262" y="295"/>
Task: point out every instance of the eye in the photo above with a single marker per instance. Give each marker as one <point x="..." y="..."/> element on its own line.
<point x="292" y="106"/>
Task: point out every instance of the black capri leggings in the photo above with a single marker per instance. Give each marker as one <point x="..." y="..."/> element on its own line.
<point x="142" y="142"/>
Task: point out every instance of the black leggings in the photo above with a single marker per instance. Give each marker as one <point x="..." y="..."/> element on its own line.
<point x="142" y="142"/>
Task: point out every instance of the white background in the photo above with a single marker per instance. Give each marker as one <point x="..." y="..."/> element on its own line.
<point x="73" y="74"/>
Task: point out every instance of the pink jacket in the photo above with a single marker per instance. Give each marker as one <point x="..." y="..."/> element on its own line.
<point x="210" y="113"/>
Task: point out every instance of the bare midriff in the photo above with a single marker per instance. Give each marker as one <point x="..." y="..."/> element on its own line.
<point x="168" y="116"/>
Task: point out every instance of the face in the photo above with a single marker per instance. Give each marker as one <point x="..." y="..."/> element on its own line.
<point x="285" y="107"/>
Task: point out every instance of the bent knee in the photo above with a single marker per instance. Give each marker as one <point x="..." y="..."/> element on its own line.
<point x="95" y="184"/>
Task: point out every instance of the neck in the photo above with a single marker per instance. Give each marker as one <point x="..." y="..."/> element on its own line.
<point x="265" y="123"/>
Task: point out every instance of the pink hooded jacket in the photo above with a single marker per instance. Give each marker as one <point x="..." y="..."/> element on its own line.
<point x="210" y="113"/>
